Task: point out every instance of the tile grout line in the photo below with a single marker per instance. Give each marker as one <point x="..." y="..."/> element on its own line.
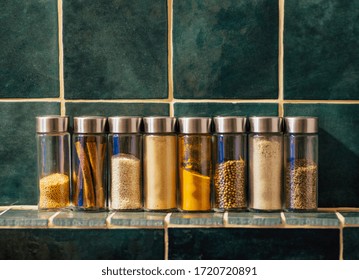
<point x="61" y="57"/>
<point x="51" y="219"/>
<point x="224" y="101"/>
<point x="166" y="239"/>
<point x="284" y="220"/>
<point x="170" y="54"/>
<point x="341" y="236"/>
<point x="225" y="219"/>
<point x="109" y="218"/>
<point x="281" y="59"/>
<point x="4" y="211"/>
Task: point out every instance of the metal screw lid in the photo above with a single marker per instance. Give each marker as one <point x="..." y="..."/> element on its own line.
<point x="89" y="124"/>
<point x="48" y="124"/>
<point x="301" y="124"/>
<point x="194" y="125"/>
<point x="125" y="124"/>
<point x="159" y="124"/>
<point x="230" y="124"/>
<point x="265" y="124"/>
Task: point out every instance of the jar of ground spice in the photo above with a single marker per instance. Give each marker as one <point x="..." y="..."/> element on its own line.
<point x="265" y="163"/>
<point x="230" y="163"/>
<point x="160" y="164"/>
<point x="89" y="163"/>
<point x="301" y="163"/>
<point x="195" y="163"/>
<point x="53" y="157"/>
<point x="125" y="152"/>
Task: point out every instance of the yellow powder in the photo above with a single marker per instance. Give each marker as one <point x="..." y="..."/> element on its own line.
<point x="195" y="191"/>
<point x="54" y="191"/>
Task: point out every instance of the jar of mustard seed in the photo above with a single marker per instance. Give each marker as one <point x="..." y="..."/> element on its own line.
<point x="53" y="157"/>
<point x="160" y="164"/>
<point x="195" y="163"/>
<point x="265" y="163"/>
<point x="230" y="163"/>
<point x="125" y="152"/>
<point x="89" y="163"/>
<point x="301" y="163"/>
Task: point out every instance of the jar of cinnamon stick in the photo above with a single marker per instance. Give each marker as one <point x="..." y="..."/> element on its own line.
<point x="89" y="163"/>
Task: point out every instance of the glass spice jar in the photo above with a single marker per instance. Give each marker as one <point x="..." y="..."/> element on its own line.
<point x="230" y="163"/>
<point x="53" y="157"/>
<point x="89" y="163"/>
<point x="160" y="164"/>
<point x="125" y="152"/>
<point x="301" y="163"/>
<point x="265" y="163"/>
<point x="195" y="163"/>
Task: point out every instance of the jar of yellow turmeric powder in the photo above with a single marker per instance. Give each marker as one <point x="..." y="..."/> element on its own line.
<point x="195" y="163"/>
<point x="53" y="157"/>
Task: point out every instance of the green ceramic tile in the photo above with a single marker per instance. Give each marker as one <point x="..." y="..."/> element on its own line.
<point x="117" y="109"/>
<point x="202" y="219"/>
<point x="312" y="219"/>
<point x="82" y="244"/>
<point x="350" y="218"/>
<point x="225" y="49"/>
<point x="253" y="244"/>
<point x="25" y="218"/>
<point x="225" y="109"/>
<point x="138" y="219"/>
<point x="258" y="219"/>
<point x="115" y="49"/>
<point x="18" y="164"/>
<point x="321" y="58"/>
<point x="29" y="49"/>
<point x="351" y="243"/>
<point x="80" y="219"/>
<point x="338" y="151"/>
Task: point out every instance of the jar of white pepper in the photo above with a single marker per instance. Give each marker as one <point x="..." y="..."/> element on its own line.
<point x="160" y="163"/>
<point x="265" y="163"/>
<point x="125" y="158"/>
<point x="301" y="163"/>
<point x="89" y="163"/>
<point x="230" y="163"/>
<point x="53" y="157"/>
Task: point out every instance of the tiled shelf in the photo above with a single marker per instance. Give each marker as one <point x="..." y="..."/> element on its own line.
<point x="68" y="219"/>
<point x="312" y="219"/>
<point x="257" y="219"/>
<point x="26" y="233"/>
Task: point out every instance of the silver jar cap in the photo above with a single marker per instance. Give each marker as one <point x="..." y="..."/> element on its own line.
<point x="194" y="125"/>
<point x="124" y="124"/>
<point x="159" y="124"/>
<point x="301" y="124"/>
<point x="90" y="124"/>
<point x="229" y="124"/>
<point x="265" y="124"/>
<point x="49" y="124"/>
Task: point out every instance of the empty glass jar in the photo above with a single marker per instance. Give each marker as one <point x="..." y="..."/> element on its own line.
<point x="230" y="163"/>
<point x="89" y="163"/>
<point x="160" y="164"/>
<point x="195" y="163"/>
<point x="125" y="152"/>
<point x="301" y="163"/>
<point x="265" y="163"/>
<point x="53" y="157"/>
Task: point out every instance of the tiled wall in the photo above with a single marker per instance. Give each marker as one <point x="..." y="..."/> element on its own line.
<point x="181" y="57"/>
